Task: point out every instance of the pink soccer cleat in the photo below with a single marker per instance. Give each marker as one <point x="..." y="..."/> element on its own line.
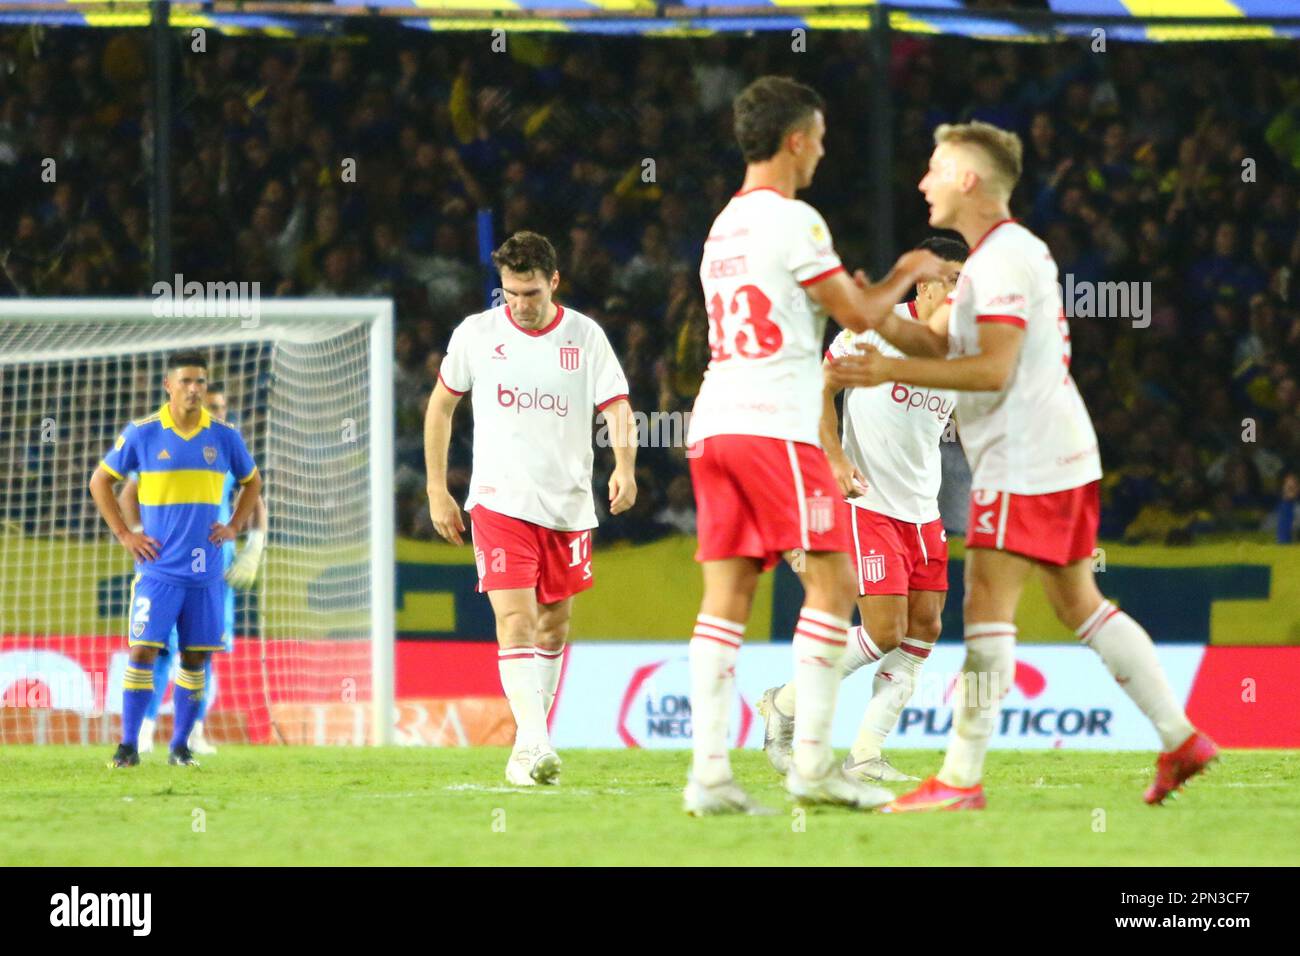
<point x="1175" y="768"/>
<point x="934" y="794"/>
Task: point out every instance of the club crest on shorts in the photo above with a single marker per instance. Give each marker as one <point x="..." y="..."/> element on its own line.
<point x="569" y="357"/>
<point x="209" y="454"/>
<point x="821" y="515"/>
<point x="873" y="567"/>
<point x="137" y="629"/>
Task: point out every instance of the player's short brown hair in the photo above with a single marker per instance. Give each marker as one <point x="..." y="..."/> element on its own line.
<point x="187" y="360"/>
<point x="766" y="110"/>
<point x="525" y="251"/>
<point x="1001" y="146"/>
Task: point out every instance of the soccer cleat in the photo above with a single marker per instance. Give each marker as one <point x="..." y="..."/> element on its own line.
<point x="933" y="794"/>
<point x="529" y="766"/>
<point x="778" y="732"/>
<point x="835" y="787"/>
<point x="701" y="800"/>
<point x="145" y="744"/>
<point x="546" y="769"/>
<point x="181" y="757"/>
<point x="126" y="756"/>
<point x="875" y="769"/>
<point x="199" y="742"/>
<point x="1175" y="768"/>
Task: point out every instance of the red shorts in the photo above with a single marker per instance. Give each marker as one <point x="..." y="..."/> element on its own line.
<point x="894" y="557"/>
<point x="1057" y="528"/>
<point x="759" y="497"/>
<point x="513" y="553"/>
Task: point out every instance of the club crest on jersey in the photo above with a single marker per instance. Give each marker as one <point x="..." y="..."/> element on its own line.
<point x="209" y="454"/>
<point x="873" y="567"/>
<point x="821" y="515"/>
<point x="569" y="357"/>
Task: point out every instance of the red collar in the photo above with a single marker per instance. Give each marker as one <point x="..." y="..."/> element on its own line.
<point x="559" y="314"/>
<point x="1001" y="222"/>
<point x="911" y="307"/>
<point x="759" y="189"/>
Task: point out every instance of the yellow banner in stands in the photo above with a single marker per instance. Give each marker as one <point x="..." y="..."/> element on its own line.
<point x="1235" y="593"/>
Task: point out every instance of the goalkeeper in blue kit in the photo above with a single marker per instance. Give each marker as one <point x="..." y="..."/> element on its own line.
<point x="181" y="455"/>
<point x="240" y="573"/>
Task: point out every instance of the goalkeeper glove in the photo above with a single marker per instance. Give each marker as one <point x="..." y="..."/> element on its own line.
<point x="243" y="570"/>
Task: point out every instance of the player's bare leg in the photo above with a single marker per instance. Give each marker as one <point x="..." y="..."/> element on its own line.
<point x="1128" y="653"/>
<point x="819" y="640"/>
<point x="994" y="583"/>
<point x="729" y="585"/>
<point x="552" y="637"/>
<point x="532" y="760"/>
<point x="137" y="689"/>
<point x="906" y="649"/>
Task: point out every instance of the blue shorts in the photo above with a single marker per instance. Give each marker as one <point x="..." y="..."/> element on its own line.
<point x="227" y="633"/>
<point x="196" y="613"/>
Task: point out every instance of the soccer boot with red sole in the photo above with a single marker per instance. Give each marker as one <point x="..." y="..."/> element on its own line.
<point x="934" y="794"/>
<point x="1175" y="768"/>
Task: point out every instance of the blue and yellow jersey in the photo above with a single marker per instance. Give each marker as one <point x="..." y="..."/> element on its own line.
<point x="182" y="488"/>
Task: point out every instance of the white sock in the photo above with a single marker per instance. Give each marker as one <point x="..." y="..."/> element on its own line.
<point x="819" y="640"/>
<point x="1127" y="651"/>
<point x="715" y="645"/>
<point x="892" y="688"/>
<point x="524" y="692"/>
<point x="986" y="676"/>
<point x="860" y="651"/>
<point x="549" y="665"/>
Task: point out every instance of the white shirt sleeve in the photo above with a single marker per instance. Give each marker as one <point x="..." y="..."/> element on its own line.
<point x="456" y="372"/>
<point x="810" y="254"/>
<point x="1001" y="288"/>
<point x="609" y="382"/>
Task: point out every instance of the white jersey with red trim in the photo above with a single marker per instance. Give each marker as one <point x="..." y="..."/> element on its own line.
<point x="1034" y="436"/>
<point x="534" y="392"/>
<point x="765" y="331"/>
<point x="891" y="435"/>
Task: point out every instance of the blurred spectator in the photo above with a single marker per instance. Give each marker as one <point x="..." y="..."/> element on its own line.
<point x="362" y="169"/>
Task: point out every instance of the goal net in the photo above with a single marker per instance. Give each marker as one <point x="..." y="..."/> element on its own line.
<point x="309" y="385"/>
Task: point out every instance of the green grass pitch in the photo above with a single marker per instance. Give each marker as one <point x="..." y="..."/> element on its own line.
<point x="403" y="806"/>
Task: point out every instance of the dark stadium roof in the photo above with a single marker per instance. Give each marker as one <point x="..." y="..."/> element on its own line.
<point x="1124" y="20"/>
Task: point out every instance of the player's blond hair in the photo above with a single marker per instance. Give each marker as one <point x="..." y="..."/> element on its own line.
<point x="1002" y="147"/>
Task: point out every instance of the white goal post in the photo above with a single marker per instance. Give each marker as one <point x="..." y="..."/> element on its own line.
<point x="309" y="383"/>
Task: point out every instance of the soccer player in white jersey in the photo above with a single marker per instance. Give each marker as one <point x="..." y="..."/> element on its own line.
<point x="1034" y="462"/>
<point x="763" y="486"/>
<point x="537" y="371"/>
<point x="889" y="471"/>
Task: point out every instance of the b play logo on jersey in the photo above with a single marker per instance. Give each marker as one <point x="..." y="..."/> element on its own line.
<point x="911" y="398"/>
<point x="522" y="401"/>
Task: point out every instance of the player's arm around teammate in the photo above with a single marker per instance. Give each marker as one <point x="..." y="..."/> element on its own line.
<point x="989" y="371"/>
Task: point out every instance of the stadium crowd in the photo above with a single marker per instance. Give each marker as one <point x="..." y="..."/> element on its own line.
<point x="1174" y="167"/>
